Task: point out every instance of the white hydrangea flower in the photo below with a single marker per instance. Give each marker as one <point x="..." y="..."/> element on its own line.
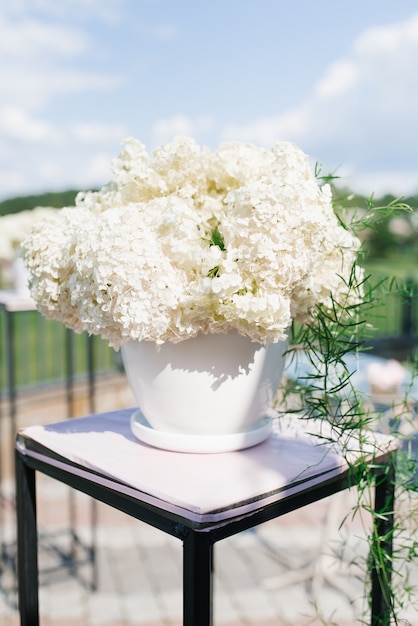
<point x="185" y="240"/>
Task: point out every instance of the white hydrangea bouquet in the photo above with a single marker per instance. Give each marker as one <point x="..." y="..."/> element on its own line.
<point x="187" y="241"/>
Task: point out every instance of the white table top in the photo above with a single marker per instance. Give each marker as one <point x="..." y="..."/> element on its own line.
<point x="201" y="487"/>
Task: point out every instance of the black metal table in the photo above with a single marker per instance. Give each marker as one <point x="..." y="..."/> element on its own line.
<point x="198" y="498"/>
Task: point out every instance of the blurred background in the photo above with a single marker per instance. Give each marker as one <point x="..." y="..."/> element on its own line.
<point x="79" y="76"/>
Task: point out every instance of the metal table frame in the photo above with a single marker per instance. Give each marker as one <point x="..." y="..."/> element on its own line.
<point x="198" y="538"/>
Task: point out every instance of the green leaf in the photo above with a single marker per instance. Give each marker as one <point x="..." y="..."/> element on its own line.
<point x="217" y="239"/>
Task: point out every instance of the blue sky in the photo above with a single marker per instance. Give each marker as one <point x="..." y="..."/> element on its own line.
<point x="78" y="76"/>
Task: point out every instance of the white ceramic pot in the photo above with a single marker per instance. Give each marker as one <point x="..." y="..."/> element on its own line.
<point x="217" y="386"/>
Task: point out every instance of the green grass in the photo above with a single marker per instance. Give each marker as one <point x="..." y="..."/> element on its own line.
<point x="40" y="349"/>
<point x="392" y="297"/>
<point x="400" y="264"/>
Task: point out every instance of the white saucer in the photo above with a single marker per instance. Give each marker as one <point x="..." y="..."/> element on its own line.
<point x="198" y="443"/>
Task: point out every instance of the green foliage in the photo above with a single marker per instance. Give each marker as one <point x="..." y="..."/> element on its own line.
<point x="56" y="200"/>
<point x="327" y="395"/>
<point x="217" y="239"/>
<point x="389" y="225"/>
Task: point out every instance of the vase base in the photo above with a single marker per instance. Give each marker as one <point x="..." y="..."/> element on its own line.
<point x="199" y="444"/>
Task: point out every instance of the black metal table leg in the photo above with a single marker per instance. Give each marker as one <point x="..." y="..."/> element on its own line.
<point x="27" y="543"/>
<point x="197" y="579"/>
<point x="381" y="557"/>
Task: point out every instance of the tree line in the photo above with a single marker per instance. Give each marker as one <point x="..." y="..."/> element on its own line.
<point x="54" y="199"/>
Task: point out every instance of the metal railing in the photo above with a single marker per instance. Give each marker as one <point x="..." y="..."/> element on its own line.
<point x="45" y="353"/>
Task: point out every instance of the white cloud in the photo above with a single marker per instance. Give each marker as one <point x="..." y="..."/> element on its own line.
<point x="96" y="133"/>
<point x="35" y="89"/>
<point x="292" y="125"/>
<point x="95" y="171"/>
<point x="35" y="62"/>
<point x="13" y="180"/>
<point x="16" y="123"/>
<point x="362" y="112"/>
<point x="31" y="38"/>
<point x="42" y="61"/>
<point x="386" y="41"/>
<point x="49" y="170"/>
<point x="340" y="77"/>
<point x="107" y="11"/>
<point x="165" y="130"/>
<point x="396" y="182"/>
